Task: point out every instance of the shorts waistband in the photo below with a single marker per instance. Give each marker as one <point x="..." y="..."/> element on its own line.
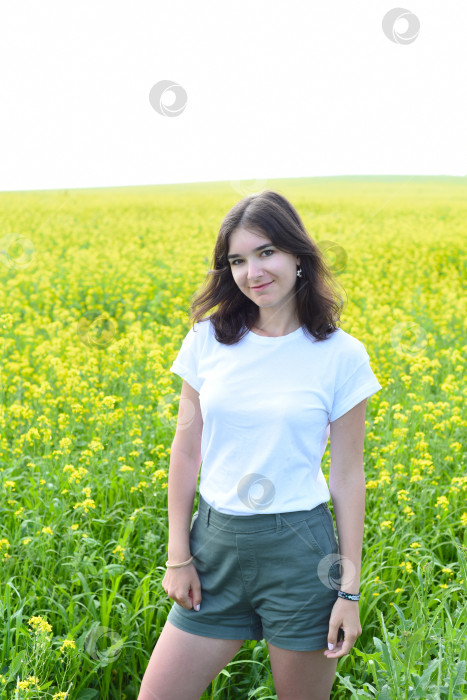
<point x="257" y="522"/>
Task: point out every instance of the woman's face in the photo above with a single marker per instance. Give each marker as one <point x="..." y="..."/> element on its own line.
<point x="271" y="266"/>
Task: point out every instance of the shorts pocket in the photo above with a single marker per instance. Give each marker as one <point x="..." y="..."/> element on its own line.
<point x="320" y="532"/>
<point x="193" y="520"/>
<point x="194" y="539"/>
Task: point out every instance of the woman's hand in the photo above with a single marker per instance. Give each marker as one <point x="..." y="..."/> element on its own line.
<point x="344" y="614"/>
<point x="183" y="586"/>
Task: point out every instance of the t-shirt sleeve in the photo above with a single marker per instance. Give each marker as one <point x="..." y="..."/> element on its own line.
<point x="356" y="381"/>
<point x="186" y="362"/>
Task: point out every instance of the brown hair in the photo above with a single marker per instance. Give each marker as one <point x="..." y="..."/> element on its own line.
<point x="271" y="214"/>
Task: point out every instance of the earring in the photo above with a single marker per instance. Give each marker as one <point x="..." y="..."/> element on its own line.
<point x="299" y="272"/>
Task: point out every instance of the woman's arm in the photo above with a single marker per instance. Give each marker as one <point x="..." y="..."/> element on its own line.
<point x="347" y="488"/>
<point x="183" y="477"/>
<point x="182" y="584"/>
<point x="185" y="462"/>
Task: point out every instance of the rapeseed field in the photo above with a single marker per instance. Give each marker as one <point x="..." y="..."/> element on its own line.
<point x="95" y="287"/>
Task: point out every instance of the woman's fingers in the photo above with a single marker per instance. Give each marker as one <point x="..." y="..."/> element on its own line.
<point x="183" y="586"/>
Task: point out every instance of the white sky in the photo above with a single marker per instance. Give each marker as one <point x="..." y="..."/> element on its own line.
<point x="274" y="89"/>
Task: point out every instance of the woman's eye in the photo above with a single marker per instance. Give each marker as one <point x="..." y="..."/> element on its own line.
<point x="263" y="251"/>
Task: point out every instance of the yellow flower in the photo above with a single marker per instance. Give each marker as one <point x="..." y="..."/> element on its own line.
<point x="39" y="624"/>
<point x="447" y="570"/>
<point x="443" y="585"/>
<point x="135" y="512"/>
<point x="126" y="468"/>
<point x="76" y="474"/>
<point x="386" y="523"/>
<point x="407" y="565"/>
<point x="400" y="433"/>
<point x="398" y="590"/>
<point x="120" y="551"/>
<point x="371" y="484"/>
<point x="6" y="321"/>
<point x="109" y="401"/>
<point x="86" y="505"/>
<point x="24" y="685"/>
<point x="456" y="446"/>
<point x="47" y="530"/>
<point x="141" y="485"/>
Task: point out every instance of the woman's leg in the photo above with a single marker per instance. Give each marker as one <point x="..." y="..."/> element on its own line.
<point x="302" y="675"/>
<point x="183" y="664"/>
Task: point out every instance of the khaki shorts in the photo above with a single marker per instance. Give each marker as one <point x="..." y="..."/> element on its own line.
<point x="272" y="576"/>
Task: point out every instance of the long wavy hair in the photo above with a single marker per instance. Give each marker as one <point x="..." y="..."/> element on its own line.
<point x="318" y="304"/>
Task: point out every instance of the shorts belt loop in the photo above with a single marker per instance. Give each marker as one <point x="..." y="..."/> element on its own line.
<point x="278" y="522"/>
<point x="207" y="515"/>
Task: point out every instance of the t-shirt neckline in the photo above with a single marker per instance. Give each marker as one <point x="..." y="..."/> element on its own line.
<point x="269" y="340"/>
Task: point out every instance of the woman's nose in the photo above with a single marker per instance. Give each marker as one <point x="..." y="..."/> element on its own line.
<point x="254" y="270"/>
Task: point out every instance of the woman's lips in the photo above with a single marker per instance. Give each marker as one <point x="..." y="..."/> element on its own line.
<point x="263" y="286"/>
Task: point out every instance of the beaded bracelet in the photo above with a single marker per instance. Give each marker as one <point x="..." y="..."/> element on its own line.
<point x="176" y="566"/>
<point x="348" y="596"/>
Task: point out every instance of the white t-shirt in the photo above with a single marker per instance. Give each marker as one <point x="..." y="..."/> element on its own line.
<point x="266" y="405"/>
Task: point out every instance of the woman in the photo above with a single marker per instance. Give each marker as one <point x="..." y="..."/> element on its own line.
<point x="268" y="377"/>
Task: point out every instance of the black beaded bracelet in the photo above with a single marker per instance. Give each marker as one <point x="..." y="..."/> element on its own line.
<point x="348" y="596"/>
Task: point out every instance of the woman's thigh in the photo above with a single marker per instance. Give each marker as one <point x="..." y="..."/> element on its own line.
<point x="183" y="664"/>
<point x="302" y="675"/>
